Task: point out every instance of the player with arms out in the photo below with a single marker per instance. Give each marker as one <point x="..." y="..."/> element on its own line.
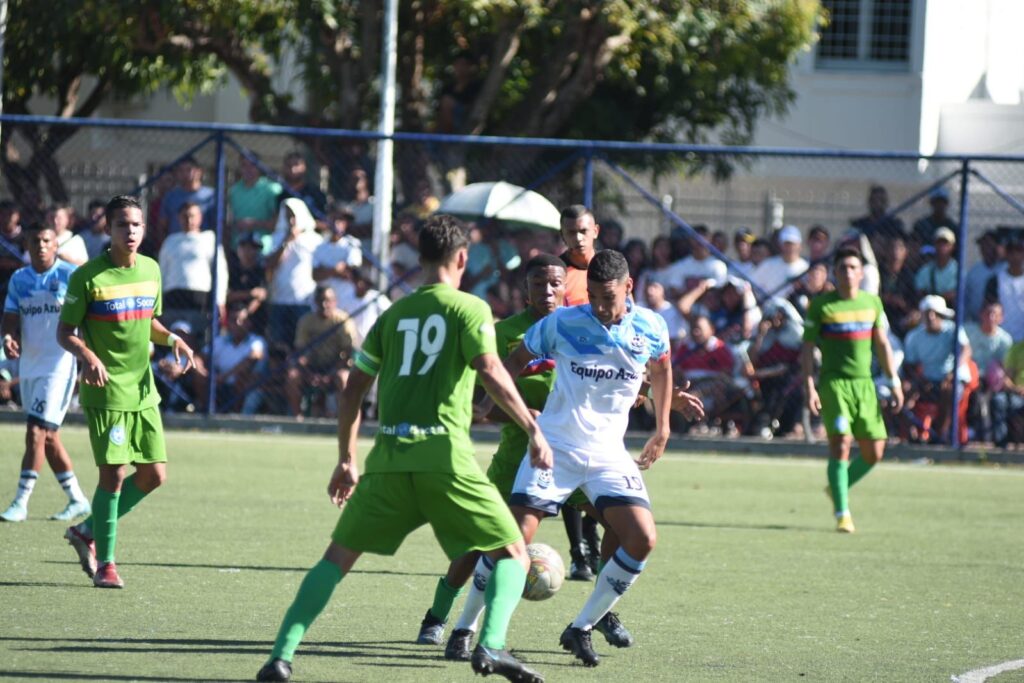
<point x="423" y="351"/>
<point x="47" y="372"/>
<point x="113" y="301"/>
<point x="601" y="351"/>
<point x="545" y="291"/>
<point x="845" y="324"/>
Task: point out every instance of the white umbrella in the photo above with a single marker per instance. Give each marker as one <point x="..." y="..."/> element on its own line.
<point x="502" y="201"/>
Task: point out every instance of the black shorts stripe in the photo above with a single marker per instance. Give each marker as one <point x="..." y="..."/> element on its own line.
<point x="626" y="567"/>
<point x="548" y="507"/>
<point x="603" y="502"/>
<point x="40" y="422"/>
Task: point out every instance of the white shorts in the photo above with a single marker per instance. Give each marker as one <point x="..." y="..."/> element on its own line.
<point x="607" y="479"/>
<point x="46" y="399"/>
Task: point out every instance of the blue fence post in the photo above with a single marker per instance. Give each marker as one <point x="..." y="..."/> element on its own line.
<point x="588" y="179"/>
<point x="211" y="408"/>
<point x="961" y="288"/>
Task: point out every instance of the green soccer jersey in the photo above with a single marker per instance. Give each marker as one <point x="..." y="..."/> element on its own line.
<point x="420" y="349"/>
<point x="842" y="329"/>
<point x="534" y="383"/>
<point x="114" y="308"/>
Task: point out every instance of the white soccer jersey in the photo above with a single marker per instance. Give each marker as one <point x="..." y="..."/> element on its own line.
<point x="600" y="370"/>
<point x="37" y="298"/>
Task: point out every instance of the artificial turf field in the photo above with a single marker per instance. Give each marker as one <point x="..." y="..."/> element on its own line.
<point x="748" y="582"/>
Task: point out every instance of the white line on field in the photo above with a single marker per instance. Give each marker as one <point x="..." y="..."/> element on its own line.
<point x="981" y="675"/>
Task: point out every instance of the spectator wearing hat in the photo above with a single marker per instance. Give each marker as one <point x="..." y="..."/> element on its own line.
<point x="878" y="221"/>
<point x="777" y="273"/>
<point x="698" y="266"/>
<point x="247" y="279"/>
<point x="925" y="227"/>
<point x="981" y="272"/>
<point x="290" y="268"/>
<point x="1007" y="286"/>
<point x="743" y="242"/>
<point x="339" y="253"/>
<point x="939" y="276"/>
<point x="818" y="241"/>
<point x="929" y="356"/>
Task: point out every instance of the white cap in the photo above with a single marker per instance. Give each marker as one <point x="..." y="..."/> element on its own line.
<point x="934" y="302"/>
<point x="790" y="233"/>
<point x="944" y="233"/>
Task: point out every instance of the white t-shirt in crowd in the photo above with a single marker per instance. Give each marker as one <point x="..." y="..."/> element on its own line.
<point x="227" y="354"/>
<point x="1011" y="295"/>
<point x="364" y="311"/>
<point x="293" y="283"/>
<point x="773" y="273"/>
<point x="685" y="274"/>
<point x="71" y="248"/>
<point x="678" y="327"/>
<point x="348" y="250"/>
<point x="186" y="262"/>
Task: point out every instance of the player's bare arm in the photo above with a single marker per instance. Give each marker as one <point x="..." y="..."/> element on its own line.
<point x="94" y="373"/>
<point x="350" y="401"/>
<point x="659" y="373"/>
<point x="500" y="386"/>
<point x="888" y="362"/>
<point x="9" y="330"/>
<point x="160" y="335"/>
<point x="807" y="373"/>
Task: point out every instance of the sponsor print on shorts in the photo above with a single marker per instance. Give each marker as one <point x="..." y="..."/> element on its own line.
<point x="117" y="435"/>
<point x="842" y="424"/>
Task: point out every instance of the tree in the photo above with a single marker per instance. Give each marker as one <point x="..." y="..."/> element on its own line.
<point x="77" y="57"/>
<point x="635" y="69"/>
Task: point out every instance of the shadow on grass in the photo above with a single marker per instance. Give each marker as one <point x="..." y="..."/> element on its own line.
<point x="249" y="568"/>
<point x="44" y="584"/>
<point x="747" y="527"/>
<point x="78" y="676"/>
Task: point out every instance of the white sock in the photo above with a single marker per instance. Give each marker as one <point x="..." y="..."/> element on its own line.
<point x="474" y="606"/>
<point x="26" y="483"/>
<point x="69" y="482"/>
<point x="618" y="575"/>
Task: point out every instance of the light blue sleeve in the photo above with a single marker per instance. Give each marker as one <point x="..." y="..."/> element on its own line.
<point x="910" y="354"/>
<point x="540" y="338"/>
<point x="921" y="279"/>
<point x="662" y="343"/>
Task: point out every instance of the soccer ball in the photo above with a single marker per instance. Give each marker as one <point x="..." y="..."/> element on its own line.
<point x="547" y="572"/>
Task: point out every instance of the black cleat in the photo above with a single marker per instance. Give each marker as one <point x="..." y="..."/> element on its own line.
<point x="577" y="641"/>
<point x="275" y="670"/>
<point x="431" y="630"/>
<point x="580" y="571"/>
<point x="613" y="630"/>
<point x="486" y="661"/>
<point x="457" y="648"/>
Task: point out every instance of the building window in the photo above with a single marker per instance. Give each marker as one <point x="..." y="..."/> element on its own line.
<point x="866" y="34"/>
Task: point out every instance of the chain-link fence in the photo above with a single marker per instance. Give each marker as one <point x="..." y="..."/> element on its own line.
<point x="277" y="328"/>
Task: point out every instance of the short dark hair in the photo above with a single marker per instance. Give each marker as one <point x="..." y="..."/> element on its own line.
<point x="544" y="261"/>
<point x="818" y="230"/>
<point x="847" y="252"/>
<point x="321" y="291"/>
<point x="121" y="201"/>
<point x="701" y="230"/>
<point x="39" y="227"/>
<point x="574" y="212"/>
<point x="186" y="206"/>
<point x="608" y="265"/>
<point x="441" y="237"/>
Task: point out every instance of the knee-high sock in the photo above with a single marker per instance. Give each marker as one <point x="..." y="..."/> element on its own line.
<point x="573" y="520"/>
<point x="104" y="526"/>
<point x="131" y="495"/>
<point x="859" y="467"/>
<point x="314" y="593"/>
<point x="69" y="482"/>
<point x="839" y="482"/>
<point x="614" y="580"/>
<point x="26" y="482"/>
<point x="503" y="593"/>
<point x="475" y="598"/>
<point x="444" y="598"/>
<point x="590" y="534"/>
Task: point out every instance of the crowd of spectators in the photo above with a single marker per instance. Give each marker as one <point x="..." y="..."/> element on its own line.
<point x="295" y="291"/>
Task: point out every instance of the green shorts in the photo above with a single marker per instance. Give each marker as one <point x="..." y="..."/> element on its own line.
<point x="465" y="511"/>
<point x="850" y="406"/>
<point x="122" y="437"/>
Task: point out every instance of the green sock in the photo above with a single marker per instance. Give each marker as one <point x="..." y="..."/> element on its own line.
<point x="104" y="526"/>
<point x="444" y="598"/>
<point x="314" y="593"/>
<point x="131" y="494"/>
<point x="858" y="468"/>
<point x="504" y="589"/>
<point x="838" y="480"/>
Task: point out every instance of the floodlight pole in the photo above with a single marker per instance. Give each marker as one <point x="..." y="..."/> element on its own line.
<point x="384" y="177"/>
